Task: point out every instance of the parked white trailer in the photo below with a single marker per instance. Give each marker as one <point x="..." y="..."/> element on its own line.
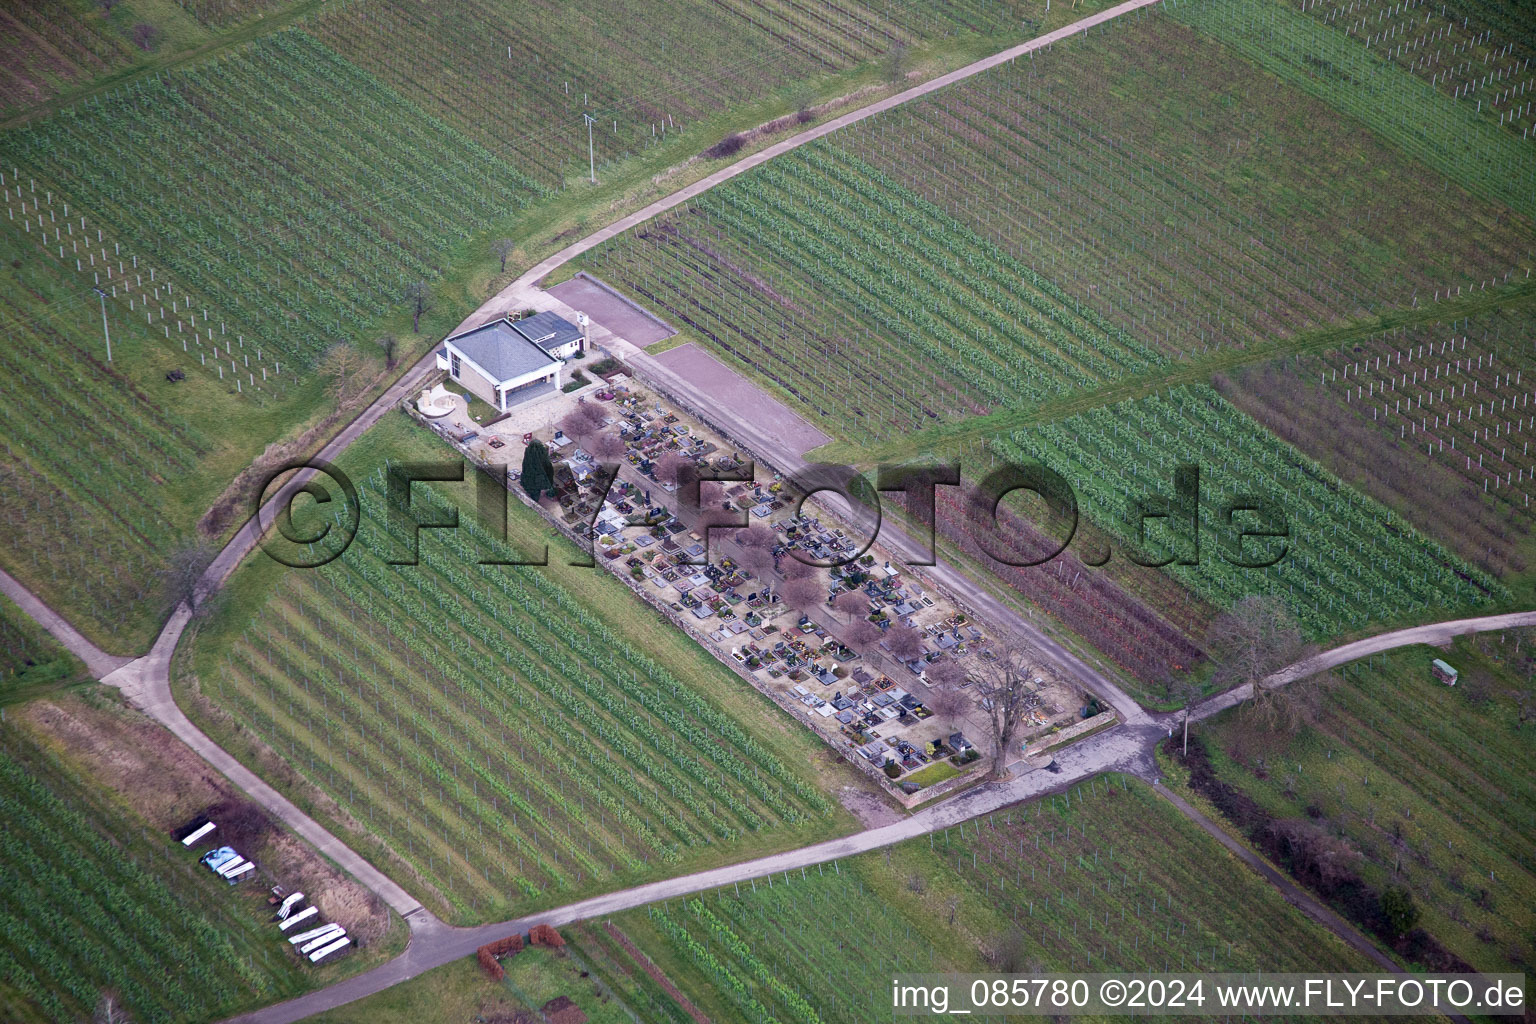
<point x="195" y="836"/>
<point x="325" y="951"/>
<point x="314" y="944"/>
<point x="294" y="919"/>
<point x="315" y="933"/>
<point x="288" y="905"/>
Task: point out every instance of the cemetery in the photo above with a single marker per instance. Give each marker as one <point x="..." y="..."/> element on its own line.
<point x="855" y="652"/>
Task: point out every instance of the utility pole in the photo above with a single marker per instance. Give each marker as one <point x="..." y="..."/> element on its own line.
<point x="104" y="332"/>
<point x="591" y="159"/>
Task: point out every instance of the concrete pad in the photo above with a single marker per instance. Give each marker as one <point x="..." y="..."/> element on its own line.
<point x="727" y="389"/>
<point x="611" y="310"/>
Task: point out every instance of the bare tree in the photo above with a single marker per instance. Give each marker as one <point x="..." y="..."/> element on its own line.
<point x="419" y="295"/>
<point x="183" y="573"/>
<point x="1476" y="686"/>
<point x="949" y="673"/>
<point x="343" y="371"/>
<point x="851" y="604"/>
<point x="583" y="422"/>
<point x="756" y="561"/>
<point x="904" y="641"/>
<point x="863" y="633"/>
<point x="1524" y="708"/>
<point x="145" y="36"/>
<point x="110" y="1010"/>
<point x="1010" y="951"/>
<point x="804" y="595"/>
<point x="791" y="568"/>
<point x="670" y="468"/>
<point x="948" y="705"/>
<point x="606" y="446"/>
<point x="757" y="536"/>
<point x="1250" y="643"/>
<point x="390" y="346"/>
<point x="503" y="247"/>
<point x="1003" y="690"/>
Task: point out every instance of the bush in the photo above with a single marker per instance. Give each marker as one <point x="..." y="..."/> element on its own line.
<point x="544" y="935"/>
<point x="145" y="36"/>
<point x="491" y="952"/>
<point x="892" y="770"/>
<point x="1316" y="858"/>
<point x="1400" y="911"/>
<point x="728" y="146"/>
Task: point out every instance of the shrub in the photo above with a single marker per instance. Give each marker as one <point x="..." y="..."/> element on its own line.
<point x="1400" y="911"/>
<point x="544" y="935"/>
<point x="490" y="953"/>
<point x="145" y="36"/>
<point x="728" y="146"/>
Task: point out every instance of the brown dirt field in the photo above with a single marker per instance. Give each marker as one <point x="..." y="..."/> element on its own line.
<point x="169" y="785"/>
<point x="560" y="1010"/>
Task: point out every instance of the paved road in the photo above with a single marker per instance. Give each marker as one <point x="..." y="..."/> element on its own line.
<point x="509" y="298"/>
<point x="1430" y="633"/>
<point x="146" y="685"/>
<point x="1121" y="749"/>
<point x="99" y="662"/>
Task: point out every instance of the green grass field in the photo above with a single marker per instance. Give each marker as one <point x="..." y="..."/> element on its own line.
<point x="192" y="200"/>
<point x="513" y="737"/>
<point x="30" y="659"/>
<point x="95" y="901"/>
<point x="106" y="468"/>
<point x="771" y="268"/>
<point x="235" y="173"/>
<point x="584" y="972"/>
<point x="1107" y="877"/>
<point x="1428" y="786"/>
<point x="1348" y="561"/>
<point x="1149" y="213"/>
<point x="1432" y="126"/>
<point x="1475" y="52"/>
<point x="238" y="233"/>
<point x="518" y="80"/>
<point x="1434" y="421"/>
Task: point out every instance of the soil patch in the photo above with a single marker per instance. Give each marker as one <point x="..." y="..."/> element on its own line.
<point x="167" y="784"/>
